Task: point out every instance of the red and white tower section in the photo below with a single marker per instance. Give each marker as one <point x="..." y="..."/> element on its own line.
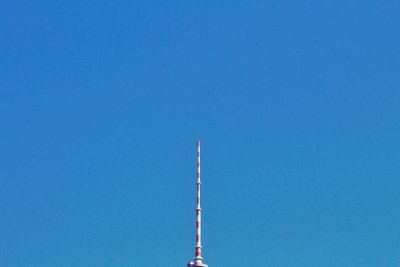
<point x="198" y="259"/>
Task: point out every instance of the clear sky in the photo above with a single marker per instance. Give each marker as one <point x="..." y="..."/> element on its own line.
<point x="296" y="104"/>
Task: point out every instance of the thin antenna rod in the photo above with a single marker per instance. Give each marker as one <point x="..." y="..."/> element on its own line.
<point x="198" y="259"/>
<point x="198" y="256"/>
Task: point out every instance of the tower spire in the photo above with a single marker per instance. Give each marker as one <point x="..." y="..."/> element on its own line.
<point x="198" y="209"/>
<point x="198" y="259"/>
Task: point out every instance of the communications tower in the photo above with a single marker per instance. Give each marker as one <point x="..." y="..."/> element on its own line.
<point x="198" y="259"/>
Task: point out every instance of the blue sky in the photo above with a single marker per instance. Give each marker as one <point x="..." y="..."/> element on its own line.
<point x="296" y="104"/>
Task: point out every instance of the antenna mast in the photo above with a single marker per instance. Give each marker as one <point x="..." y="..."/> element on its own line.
<point x="198" y="260"/>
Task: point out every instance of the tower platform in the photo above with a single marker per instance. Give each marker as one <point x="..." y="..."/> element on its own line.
<point x="196" y="264"/>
